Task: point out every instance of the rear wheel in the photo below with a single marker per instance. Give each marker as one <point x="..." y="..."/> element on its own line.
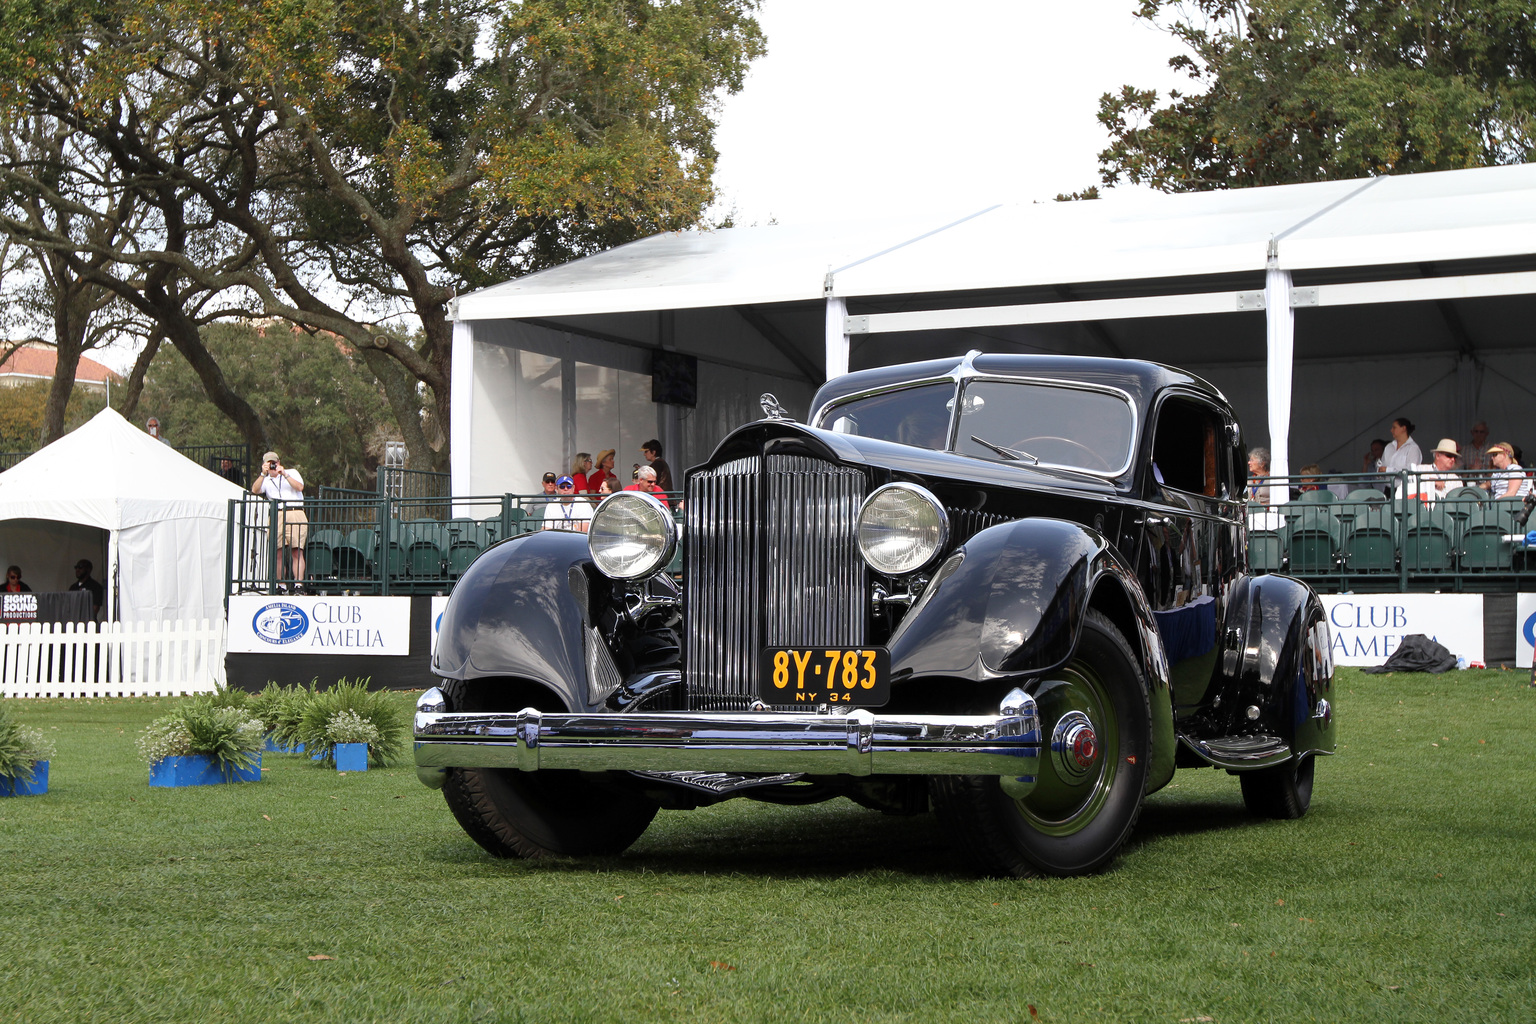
<point x="1097" y="725"/>
<point x="546" y="813"/>
<point x="1284" y="791"/>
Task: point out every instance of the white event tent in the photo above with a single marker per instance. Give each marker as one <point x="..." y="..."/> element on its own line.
<point x="1322" y="310"/>
<point x="150" y="519"/>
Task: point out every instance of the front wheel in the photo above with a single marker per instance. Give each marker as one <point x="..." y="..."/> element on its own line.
<point x="540" y="814"/>
<point x="1097" y="724"/>
<point x="544" y="813"/>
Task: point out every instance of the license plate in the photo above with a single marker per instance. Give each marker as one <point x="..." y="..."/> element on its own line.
<point x="850" y="676"/>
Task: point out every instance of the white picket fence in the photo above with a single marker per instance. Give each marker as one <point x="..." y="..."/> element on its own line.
<point x="115" y="659"/>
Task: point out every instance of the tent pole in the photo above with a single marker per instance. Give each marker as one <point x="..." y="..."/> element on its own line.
<point x="1280" y="339"/>
<point x="112" y="577"/>
<point x="837" y="341"/>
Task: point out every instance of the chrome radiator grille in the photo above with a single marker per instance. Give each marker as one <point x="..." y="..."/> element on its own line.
<point x="770" y="560"/>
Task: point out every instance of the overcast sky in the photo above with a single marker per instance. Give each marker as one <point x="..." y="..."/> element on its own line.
<point x="864" y="108"/>
<point x="869" y="106"/>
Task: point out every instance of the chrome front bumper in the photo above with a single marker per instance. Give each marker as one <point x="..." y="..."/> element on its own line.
<point x="859" y="742"/>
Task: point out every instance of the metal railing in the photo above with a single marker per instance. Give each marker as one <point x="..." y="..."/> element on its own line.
<point x="1402" y="532"/>
<point x="365" y="543"/>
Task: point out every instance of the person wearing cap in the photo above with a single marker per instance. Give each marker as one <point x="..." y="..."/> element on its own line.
<point x="1439" y="479"/>
<point x="285" y="486"/>
<point x="565" y="512"/>
<point x="604" y="471"/>
<point x="83" y="581"/>
<point x="1509" y="480"/>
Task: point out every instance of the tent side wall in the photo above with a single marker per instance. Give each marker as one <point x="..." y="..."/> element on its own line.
<point x="172" y="569"/>
<point x="538" y="395"/>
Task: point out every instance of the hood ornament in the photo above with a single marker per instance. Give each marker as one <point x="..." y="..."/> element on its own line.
<point x="772" y="409"/>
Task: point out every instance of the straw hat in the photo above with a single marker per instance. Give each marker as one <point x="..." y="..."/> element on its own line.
<point x="1448" y="446"/>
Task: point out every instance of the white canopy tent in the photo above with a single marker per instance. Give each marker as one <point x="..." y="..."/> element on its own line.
<point x="1410" y="294"/>
<point x="109" y="487"/>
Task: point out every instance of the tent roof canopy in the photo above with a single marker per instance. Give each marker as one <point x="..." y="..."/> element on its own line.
<point x="1476" y="214"/>
<point x="110" y="474"/>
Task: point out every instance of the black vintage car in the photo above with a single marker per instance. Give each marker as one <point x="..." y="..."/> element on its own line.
<point x="1010" y="589"/>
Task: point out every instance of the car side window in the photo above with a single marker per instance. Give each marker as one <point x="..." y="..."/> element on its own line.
<point x="1189" y="451"/>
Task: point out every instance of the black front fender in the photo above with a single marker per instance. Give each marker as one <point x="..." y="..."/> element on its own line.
<point x="1011" y="601"/>
<point x="520" y="612"/>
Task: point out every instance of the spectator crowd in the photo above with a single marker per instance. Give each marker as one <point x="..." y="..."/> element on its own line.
<point x="1497" y="469"/>
<point x="569" y="497"/>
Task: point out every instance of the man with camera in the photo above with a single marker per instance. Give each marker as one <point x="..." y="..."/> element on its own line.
<point x="286" y="487"/>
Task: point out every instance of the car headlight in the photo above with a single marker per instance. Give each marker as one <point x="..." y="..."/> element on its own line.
<point x="902" y="528"/>
<point x="632" y="535"/>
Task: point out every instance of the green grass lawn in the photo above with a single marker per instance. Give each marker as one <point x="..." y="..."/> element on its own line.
<point x="1407" y="894"/>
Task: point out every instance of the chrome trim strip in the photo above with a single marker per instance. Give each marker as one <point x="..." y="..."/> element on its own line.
<point x="857" y="743"/>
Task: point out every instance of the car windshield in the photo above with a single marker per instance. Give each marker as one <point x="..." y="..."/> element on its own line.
<point x="917" y="415"/>
<point x="1048" y="425"/>
<point x="1033" y="422"/>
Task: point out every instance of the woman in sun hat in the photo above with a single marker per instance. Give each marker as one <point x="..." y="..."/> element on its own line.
<point x="604" y="471"/>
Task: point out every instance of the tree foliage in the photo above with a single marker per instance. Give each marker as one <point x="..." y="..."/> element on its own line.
<point x="327" y="419"/>
<point x="22" y="408"/>
<point x="353" y="165"/>
<point x="1310" y="90"/>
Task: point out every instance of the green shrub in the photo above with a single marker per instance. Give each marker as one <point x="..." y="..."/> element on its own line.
<point x="281" y="709"/>
<point x="228" y="735"/>
<point x="264" y="703"/>
<point x="377" y="707"/>
<point x="228" y="697"/>
<point x="21" y="747"/>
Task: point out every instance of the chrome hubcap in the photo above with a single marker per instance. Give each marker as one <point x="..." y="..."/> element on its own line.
<point x="1074" y="745"/>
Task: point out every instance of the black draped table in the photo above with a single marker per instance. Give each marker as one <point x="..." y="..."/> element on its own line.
<point x="48" y="606"/>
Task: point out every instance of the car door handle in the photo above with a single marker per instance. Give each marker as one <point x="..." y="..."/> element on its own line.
<point x="1154" y="521"/>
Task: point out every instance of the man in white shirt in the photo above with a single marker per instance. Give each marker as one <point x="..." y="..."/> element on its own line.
<point x="566" y="513"/>
<point x="286" y="487"/>
<point x="1438" y="480"/>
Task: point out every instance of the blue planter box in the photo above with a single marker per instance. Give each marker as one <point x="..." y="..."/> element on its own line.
<point x="10" y="786"/>
<point x="197" y="770"/>
<point x="351" y="757"/>
<point x="272" y="745"/>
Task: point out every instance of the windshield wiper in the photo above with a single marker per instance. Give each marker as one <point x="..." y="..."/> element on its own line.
<point x="1013" y="454"/>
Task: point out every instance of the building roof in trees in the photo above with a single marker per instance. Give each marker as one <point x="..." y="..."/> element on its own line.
<point x="33" y="361"/>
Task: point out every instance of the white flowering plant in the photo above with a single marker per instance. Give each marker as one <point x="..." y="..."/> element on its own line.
<point x="22" y="748"/>
<point x="227" y="735"/>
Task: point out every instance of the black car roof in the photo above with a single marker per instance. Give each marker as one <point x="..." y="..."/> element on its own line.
<point x="1137" y="377"/>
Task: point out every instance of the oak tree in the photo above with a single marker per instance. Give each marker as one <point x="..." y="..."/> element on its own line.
<point x="1307" y="90"/>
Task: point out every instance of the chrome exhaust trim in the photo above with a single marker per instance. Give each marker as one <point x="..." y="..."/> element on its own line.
<point x="860" y="742"/>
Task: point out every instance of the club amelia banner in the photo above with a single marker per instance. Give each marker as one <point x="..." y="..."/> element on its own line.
<point x="278" y="624"/>
<point x="1368" y="627"/>
<point x="1525" y="629"/>
<point x="438" y="605"/>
